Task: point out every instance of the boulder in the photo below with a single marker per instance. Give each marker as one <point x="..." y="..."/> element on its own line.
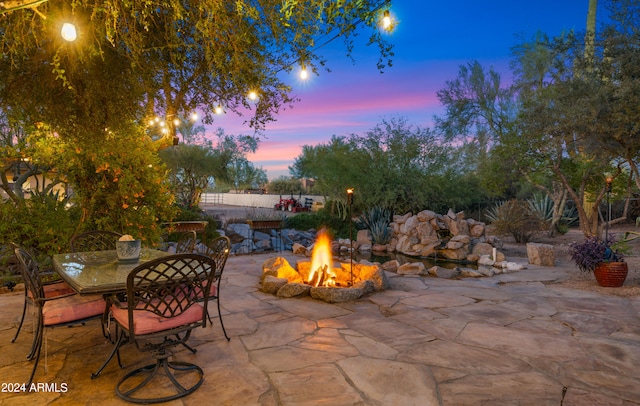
<point x="541" y="254"/>
<point x="444" y="273"/>
<point x="364" y="237"/>
<point x="336" y="295"/>
<point x="271" y="284"/>
<point x="391" y="266"/>
<point x="294" y="290"/>
<point x="412" y="268"/>
<point x="299" y="249"/>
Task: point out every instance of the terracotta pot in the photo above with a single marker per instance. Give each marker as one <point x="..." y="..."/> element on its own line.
<point x="611" y="274"/>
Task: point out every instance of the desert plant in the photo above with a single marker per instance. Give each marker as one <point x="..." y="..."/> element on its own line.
<point x="542" y="206"/>
<point x="516" y="218"/>
<point x="381" y="233"/>
<point x="376" y="220"/>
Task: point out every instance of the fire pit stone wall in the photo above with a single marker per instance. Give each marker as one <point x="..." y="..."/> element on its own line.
<point x="283" y="280"/>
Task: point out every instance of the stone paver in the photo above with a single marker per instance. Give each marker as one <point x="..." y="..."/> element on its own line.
<point x="502" y="340"/>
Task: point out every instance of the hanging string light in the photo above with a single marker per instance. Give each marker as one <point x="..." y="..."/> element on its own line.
<point x="386" y="20"/>
<point x="68" y="32"/>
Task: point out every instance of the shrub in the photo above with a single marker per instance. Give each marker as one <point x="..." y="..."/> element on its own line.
<point x="516" y="218"/>
<point x="376" y="220"/>
<point x="42" y="225"/>
<point x="336" y="226"/>
<point x="190" y="214"/>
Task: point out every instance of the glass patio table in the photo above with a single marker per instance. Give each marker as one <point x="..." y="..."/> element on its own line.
<point x="99" y="272"/>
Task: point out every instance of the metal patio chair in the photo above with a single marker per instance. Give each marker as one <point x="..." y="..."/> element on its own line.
<point x="62" y="310"/>
<point x="186" y="242"/>
<point x="51" y="289"/>
<point x="94" y="240"/>
<point x="218" y="249"/>
<point x="160" y="309"/>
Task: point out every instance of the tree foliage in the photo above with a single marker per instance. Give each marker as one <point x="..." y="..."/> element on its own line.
<point x="285" y="185"/>
<point x="136" y="60"/>
<point x="119" y="184"/>
<point x="172" y="57"/>
<point x="395" y="165"/>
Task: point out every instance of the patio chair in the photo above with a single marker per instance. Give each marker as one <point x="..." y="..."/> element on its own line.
<point x="50" y="289"/>
<point x="94" y="240"/>
<point x="218" y="249"/>
<point x="62" y="310"/>
<point x="159" y="311"/>
<point x="186" y="242"/>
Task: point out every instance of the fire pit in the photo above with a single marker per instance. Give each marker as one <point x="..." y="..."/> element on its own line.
<point x="320" y="278"/>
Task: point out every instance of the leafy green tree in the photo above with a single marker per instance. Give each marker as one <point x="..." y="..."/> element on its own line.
<point x="558" y="120"/>
<point x="329" y="164"/>
<point x="479" y="114"/>
<point x="191" y="169"/>
<point x="395" y="165"/>
<point x="134" y="61"/>
<point x="245" y="175"/>
<point x="178" y="56"/>
<point x="285" y="185"/>
<point x="119" y="185"/>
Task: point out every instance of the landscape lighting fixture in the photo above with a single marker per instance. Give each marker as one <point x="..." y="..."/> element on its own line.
<point x="350" y="203"/>
<point x="68" y="32"/>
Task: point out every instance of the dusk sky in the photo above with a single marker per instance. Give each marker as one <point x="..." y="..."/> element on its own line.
<point x="431" y="41"/>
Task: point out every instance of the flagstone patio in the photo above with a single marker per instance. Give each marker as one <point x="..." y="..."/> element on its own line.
<point x="504" y="340"/>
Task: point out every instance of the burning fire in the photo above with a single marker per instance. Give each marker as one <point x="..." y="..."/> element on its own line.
<point x="322" y="273"/>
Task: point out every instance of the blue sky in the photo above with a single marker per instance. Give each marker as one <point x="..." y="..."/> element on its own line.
<point x="431" y="41"/>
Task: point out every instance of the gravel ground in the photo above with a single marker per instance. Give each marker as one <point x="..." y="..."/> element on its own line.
<point x="578" y="279"/>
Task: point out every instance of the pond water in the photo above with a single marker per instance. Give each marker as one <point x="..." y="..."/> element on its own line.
<point x="383" y="257"/>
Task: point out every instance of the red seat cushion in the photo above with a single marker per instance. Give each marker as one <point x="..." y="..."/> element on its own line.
<point x="55" y="289"/>
<point x="147" y="322"/>
<point x="213" y="292"/>
<point x="71" y="308"/>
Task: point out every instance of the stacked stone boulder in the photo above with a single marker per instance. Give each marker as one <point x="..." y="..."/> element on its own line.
<point x="451" y="237"/>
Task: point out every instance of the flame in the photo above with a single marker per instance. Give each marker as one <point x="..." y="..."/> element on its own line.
<point x="321" y="261"/>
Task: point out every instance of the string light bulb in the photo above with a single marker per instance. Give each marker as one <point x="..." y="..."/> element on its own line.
<point x="386" y="20"/>
<point x="219" y="109"/>
<point x="194" y="116"/>
<point x="303" y="73"/>
<point x="253" y="95"/>
<point x="68" y="32"/>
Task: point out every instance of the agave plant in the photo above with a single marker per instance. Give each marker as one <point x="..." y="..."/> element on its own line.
<point x="376" y="220"/>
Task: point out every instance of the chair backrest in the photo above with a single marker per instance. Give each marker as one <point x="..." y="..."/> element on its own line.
<point x="94" y="240"/>
<point x="30" y="272"/>
<point x="219" y="249"/>
<point x="169" y="286"/>
<point x="186" y="242"/>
